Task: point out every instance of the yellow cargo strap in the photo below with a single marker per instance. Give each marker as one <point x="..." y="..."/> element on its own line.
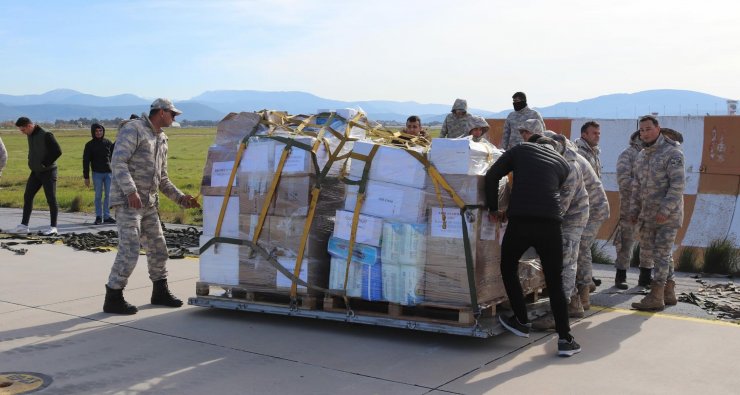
<point x="271" y="193"/>
<point x="227" y="194"/>
<point x="304" y="238"/>
<point x="356" y="215"/>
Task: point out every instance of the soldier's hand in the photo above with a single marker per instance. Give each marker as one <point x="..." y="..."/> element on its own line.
<point x="497" y="216"/>
<point x="660" y="218"/>
<point x="87" y="182"/>
<point x="134" y="201"/>
<point x="189" y="201"/>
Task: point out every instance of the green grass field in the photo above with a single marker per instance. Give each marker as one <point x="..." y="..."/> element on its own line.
<point x="187" y="155"/>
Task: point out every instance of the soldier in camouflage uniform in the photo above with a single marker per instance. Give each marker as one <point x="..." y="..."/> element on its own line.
<point x="656" y="207"/>
<point x="598" y="212"/>
<point x="588" y="145"/>
<point x="139" y="167"/>
<point x="515" y="120"/>
<point x="625" y="238"/>
<point x="456" y="123"/>
<point x="574" y="205"/>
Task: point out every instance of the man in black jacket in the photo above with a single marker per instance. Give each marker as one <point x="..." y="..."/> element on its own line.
<point x="43" y="151"/>
<point x="97" y="154"/>
<point x="534" y="221"/>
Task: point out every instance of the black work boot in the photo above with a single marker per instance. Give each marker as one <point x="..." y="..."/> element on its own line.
<point x="161" y="295"/>
<point x="646" y="277"/>
<point x="115" y="304"/>
<point x="620" y="280"/>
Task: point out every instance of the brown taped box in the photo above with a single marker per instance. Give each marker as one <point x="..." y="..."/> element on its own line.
<point x="281" y="236"/>
<point x="471" y="190"/>
<point x="292" y="196"/>
<point x="217" y="154"/>
<point x="234" y="127"/>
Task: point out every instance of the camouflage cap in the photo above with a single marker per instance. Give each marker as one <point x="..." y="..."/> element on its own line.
<point x="532" y="126"/>
<point x="164" y="104"/>
<point x="476" y="121"/>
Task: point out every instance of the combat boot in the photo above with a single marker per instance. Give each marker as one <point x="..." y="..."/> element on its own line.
<point x="584" y="293"/>
<point x="575" y="309"/>
<point x="645" y="277"/>
<point x="653" y="301"/>
<point x="620" y="280"/>
<point x="115" y="304"/>
<point x="161" y="295"/>
<point x="669" y="294"/>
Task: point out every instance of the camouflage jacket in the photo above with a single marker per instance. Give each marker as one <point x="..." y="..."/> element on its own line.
<point x="573" y="195"/>
<point x="511" y="126"/>
<point x="626" y="172"/>
<point x="591" y="154"/>
<point x="454" y="127"/>
<point x="598" y="205"/>
<point x="139" y="164"/>
<point x="659" y="182"/>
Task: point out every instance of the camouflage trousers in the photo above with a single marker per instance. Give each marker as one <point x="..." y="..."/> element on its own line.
<point x="585" y="263"/>
<point x="624" y="242"/>
<point x="656" y="245"/>
<point x="137" y="227"/>
<point x="571" y="241"/>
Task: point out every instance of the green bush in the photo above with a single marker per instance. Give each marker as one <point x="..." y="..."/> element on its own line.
<point x="721" y="257"/>
<point x="598" y="255"/>
<point x="688" y="260"/>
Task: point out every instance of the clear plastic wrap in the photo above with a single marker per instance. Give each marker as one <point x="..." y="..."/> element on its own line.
<point x="405" y="250"/>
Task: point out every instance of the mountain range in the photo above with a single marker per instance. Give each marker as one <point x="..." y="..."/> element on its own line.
<point x="68" y="104"/>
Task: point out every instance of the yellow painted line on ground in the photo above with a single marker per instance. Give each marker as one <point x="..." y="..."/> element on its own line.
<point x="670" y="316"/>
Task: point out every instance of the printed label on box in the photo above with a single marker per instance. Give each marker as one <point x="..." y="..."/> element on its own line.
<point x="220" y="174"/>
<point x="295" y="162"/>
<point x="452" y="227"/>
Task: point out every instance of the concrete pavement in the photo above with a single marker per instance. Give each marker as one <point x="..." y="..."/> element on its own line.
<point x="51" y="322"/>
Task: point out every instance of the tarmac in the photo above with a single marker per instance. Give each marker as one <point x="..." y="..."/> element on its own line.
<point x="52" y="326"/>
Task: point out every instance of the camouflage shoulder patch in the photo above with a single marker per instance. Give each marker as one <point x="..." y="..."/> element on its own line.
<point x="675" y="161"/>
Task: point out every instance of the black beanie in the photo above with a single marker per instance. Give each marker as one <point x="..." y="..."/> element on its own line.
<point x="520" y="95"/>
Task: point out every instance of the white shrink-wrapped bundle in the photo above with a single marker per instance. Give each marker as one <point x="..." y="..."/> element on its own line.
<point x="390" y="164"/>
<point x="404" y="244"/>
<point x="403" y="284"/>
<point x="463" y="156"/>
<point x="389" y="201"/>
<point x="219" y="265"/>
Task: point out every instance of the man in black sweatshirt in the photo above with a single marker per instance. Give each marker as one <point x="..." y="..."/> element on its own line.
<point x="534" y="221"/>
<point x="97" y="155"/>
<point x="43" y="151"/>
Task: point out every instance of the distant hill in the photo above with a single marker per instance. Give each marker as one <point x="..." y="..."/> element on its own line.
<point x="214" y="105"/>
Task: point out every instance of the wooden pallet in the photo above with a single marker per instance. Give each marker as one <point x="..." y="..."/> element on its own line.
<point x="304" y="301"/>
<point x="425" y="312"/>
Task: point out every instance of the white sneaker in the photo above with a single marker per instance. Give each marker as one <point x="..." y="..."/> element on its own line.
<point x="21" y="229"/>
<point x="48" y="231"/>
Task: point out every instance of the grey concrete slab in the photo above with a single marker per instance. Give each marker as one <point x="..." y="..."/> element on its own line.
<point x="623" y="352"/>
<point x="85" y="356"/>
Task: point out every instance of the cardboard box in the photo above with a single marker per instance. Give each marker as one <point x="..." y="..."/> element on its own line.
<point x="389" y="201"/>
<point x="390" y="164"/>
<point x="462" y="156"/>
<point x="263" y="155"/>
<point x="403" y="284"/>
<point x="363" y="281"/>
<point x="292" y="196"/>
<point x="404" y="244"/>
<point x="471" y="189"/>
<point x="219" y="264"/>
<point x="258" y="274"/>
<point x="445" y="273"/>
<point x="369" y="228"/>
<point x="234" y="127"/>
<point x="282" y="235"/>
<point x="361" y="253"/>
<point x="216" y="173"/>
<point x="211" y="211"/>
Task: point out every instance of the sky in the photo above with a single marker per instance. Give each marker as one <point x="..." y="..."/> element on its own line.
<point x="424" y="51"/>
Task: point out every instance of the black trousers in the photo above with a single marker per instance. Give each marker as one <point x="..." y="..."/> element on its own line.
<point x="546" y="236"/>
<point x="48" y="180"/>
